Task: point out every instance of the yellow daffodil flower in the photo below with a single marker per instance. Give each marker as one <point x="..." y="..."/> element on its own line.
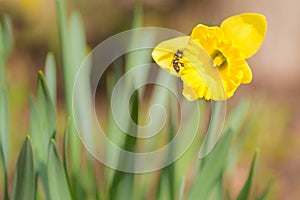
<point x="208" y="50"/>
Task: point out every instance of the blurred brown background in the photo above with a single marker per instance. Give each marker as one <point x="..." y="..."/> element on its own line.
<point x="275" y="90"/>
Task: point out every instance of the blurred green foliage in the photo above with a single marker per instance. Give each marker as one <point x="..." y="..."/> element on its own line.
<point x="41" y="173"/>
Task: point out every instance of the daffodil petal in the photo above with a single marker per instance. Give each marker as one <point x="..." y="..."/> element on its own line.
<point x="198" y="74"/>
<point x="247" y="31"/>
<point x="207" y="36"/>
<point x="194" y="86"/>
<point x="247" y="73"/>
<point x="188" y="92"/>
<point x="163" y="53"/>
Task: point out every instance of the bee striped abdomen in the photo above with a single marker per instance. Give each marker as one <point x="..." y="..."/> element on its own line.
<point x="177" y="61"/>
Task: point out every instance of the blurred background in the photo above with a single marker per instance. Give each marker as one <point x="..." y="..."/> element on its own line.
<point x="274" y="91"/>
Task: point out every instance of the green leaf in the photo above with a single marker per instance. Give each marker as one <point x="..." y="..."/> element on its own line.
<point x="166" y="186"/>
<point x="170" y="169"/>
<point x="88" y="181"/>
<point x="138" y="14"/>
<point x="4" y="136"/>
<point x="4" y="126"/>
<point x="245" y="192"/>
<point x="5" y="46"/>
<point x="72" y="153"/>
<point x="122" y="184"/>
<point x="2" y="61"/>
<point x="46" y="109"/>
<point x="38" y="141"/>
<point x="82" y="107"/>
<point x="182" y="188"/>
<point x="42" y="122"/>
<point x="212" y="167"/>
<point x="218" y="190"/>
<point x="236" y="120"/>
<point x="162" y="192"/>
<point x="2" y="48"/>
<point x="58" y="185"/>
<point x="141" y="56"/>
<point x="42" y="127"/>
<point x="77" y="43"/>
<point x="215" y="127"/>
<point x="82" y="102"/>
<point x="24" y="182"/>
<point x="65" y="146"/>
<point x="50" y="71"/>
<point x="65" y="152"/>
<point x="7" y="35"/>
<point x="65" y="53"/>
<point x="36" y="137"/>
<point x="5" y="181"/>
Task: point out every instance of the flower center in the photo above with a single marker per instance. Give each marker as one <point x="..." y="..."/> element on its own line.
<point x="219" y="59"/>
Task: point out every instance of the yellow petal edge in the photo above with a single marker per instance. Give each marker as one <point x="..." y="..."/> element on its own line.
<point x="247" y="31"/>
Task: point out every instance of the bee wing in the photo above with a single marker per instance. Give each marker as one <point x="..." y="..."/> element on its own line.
<point x="197" y="60"/>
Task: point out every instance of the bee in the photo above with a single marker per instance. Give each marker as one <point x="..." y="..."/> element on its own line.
<point x="177" y="60"/>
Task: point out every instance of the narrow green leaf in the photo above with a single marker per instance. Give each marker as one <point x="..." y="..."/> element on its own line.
<point x="5" y="181"/>
<point x="24" y="182"/>
<point x="212" y="168"/>
<point x="77" y="43"/>
<point x="46" y="108"/>
<point x="88" y="181"/>
<point x="122" y="184"/>
<point x="245" y="192"/>
<point x="7" y="35"/>
<point x="182" y="188"/>
<point x="36" y="136"/>
<point x="2" y="61"/>
<point x="215" y="127"/>
<point x="82" y="106"/>
<point x="171" y="168"/>
<point x="42" y="127"/>
<point x="113" y="131"/>
<point x="58" y="185"/>
<point x="162" y="192"/>
<point x="166" y="186"/>
<point x="50" y="72"/>
<point x="65" y="153"/>
<point x="141" y="56"/>
<point x="4" y="126"/>
<point x="217" y="191"/>
<point x="138" y="14"/>
<point x="38" y="142"/>
<point x="2" y="48"/>
<point x="73" y="48"/>
<point x="4" y="137"/>
<point x="236" y="120"/>
<point x="65" y="146"/>
<point x="72" y="154"/>
<point x="42" y="122"/>
<point x="5" y="46"/>
<point x="65" y="53"/>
